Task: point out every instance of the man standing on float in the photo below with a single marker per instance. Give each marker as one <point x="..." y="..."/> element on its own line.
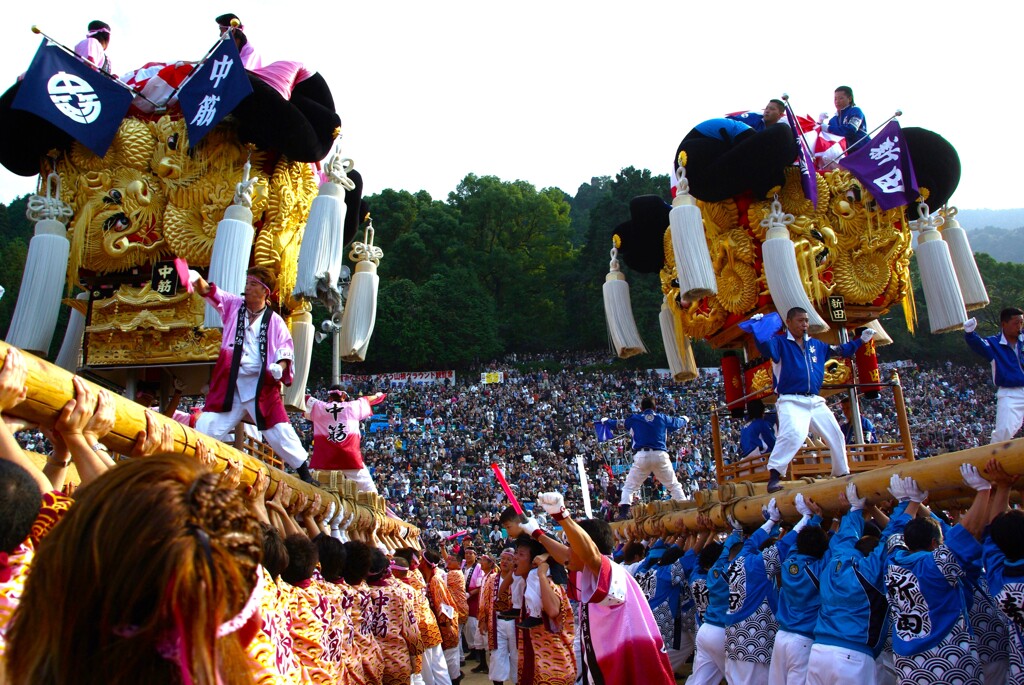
<point x="798" y="365"/>
<point x="336" y="437"/>
<point x="256" y="353"/>
<point x="650" y="454"/>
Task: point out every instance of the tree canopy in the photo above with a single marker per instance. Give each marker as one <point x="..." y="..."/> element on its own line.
<point x="501" y="266"/>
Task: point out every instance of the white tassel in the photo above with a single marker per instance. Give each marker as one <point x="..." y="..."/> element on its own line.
<point x="303" y="333"/>
<point x="361" y="307"/>
<point x="618" y="312"/>
<point x="967" y="275"/>
<point x="42" y="281"/>
<point x="321" y="251"/>
<point x="881" y="336"/>
<point x="946" y="311"/>
<point x="70" y="355"/>
<point x="693" y="261"/>
<point x="781" y="271"/>
<point x="677" y="347"/>
<point x="231" y="246"/>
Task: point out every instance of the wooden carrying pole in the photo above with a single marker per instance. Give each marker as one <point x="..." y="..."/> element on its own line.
<point x="939" y="475"/>
<point x="50" y="387"/>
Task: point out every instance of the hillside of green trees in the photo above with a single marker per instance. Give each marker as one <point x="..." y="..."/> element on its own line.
<point x="500" y="266"/>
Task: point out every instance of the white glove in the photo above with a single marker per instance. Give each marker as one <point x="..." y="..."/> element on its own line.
<point x="898" y="489"/>
<point x="331" y="507"/>
<point x="772" y="512"/>
<point x="403" y="531"/>
<point x="801" y="505"/>
<point x="970" y="474"/>
<point x="193" y="276"/>
<point x="757" y="317"/>
<point x="529" y="526"/>
<point x="736" y="525"/>
<point x="685" y="418"/>
<point x="867" y="334"/>
<point x="276" y="370"/>
<point x="604" y="419"/>
<point x="856" y="502"/>
<point x="914" y="491"/>
<point x="970" y="325"/>
<point x="336" y="524"/>
<point x="822" y="118"/>
<point x="553" y="503"/>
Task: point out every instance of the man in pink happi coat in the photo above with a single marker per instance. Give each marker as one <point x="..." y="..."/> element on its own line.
<point x="256" y="355"/>
<point x="336" y="437"/>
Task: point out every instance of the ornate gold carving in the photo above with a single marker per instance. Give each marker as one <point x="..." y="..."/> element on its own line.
<point x="843" y="246"/>
<point x="836" y="372"/>
<point x="761" y="380"/>
<point x="151" y="198"/>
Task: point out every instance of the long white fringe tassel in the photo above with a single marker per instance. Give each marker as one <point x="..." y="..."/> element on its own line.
<point x="70" y="353"/>
<point x="42" y="282"/>
<point x="618" y="312"/>
<point x="361" y="307"/>
<point x="321" y="251"/>
<point x="677" y="347"/>
<point x="693" y="261"/>
<point x="967" y="275"/>
<point x="781" y="271"/>
<point x="946" y="311"/>
<point x="303" y="334"/>
<point x="232" y="245"/>
<point x="881" y="336"/>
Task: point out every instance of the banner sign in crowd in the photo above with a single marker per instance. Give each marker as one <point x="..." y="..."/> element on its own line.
<point x="402" y="378"/>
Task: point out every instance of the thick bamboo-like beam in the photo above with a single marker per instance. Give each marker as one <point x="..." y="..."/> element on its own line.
<point x="939" y="475"/>
<point x="50" y="387"/>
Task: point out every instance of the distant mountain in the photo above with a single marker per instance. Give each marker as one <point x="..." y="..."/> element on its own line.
<point x="1004" y="245"/>
<point x="972" y="219"/>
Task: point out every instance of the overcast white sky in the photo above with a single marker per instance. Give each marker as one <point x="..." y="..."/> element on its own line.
<point x="557" y="92"/>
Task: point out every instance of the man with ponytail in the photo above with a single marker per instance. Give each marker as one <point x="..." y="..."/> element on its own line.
<point x="168" y="590"/>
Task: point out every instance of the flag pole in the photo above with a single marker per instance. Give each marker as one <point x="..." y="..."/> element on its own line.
<point x="65" y="48"/>
<point x="200" y="64"/>
<point x="803" y="140"/>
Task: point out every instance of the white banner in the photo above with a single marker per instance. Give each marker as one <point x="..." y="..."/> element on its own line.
<point x="402" y="378"/>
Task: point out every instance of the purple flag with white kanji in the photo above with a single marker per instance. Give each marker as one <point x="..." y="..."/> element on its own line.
<point x="884" y="168"/>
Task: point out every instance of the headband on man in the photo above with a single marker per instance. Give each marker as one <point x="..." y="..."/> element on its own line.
<point x="253" y="279"/>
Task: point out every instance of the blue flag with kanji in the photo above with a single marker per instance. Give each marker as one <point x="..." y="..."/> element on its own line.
<point x="808" y="174"/>
<point x="604" y="431"/>
<point x="884" y="168"/>
<point x="213" y="91"/>
<point x="74" y="96"/>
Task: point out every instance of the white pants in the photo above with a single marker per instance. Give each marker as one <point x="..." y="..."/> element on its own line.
<point x="435" y="670"/>
<point x="797" y="415"/>
<point x="281" y="437"/>
<point x="362" y="479"/>
<point x="646" y="462"/>
<point x="1009" y="413"/>
<point x="473" y="637"/>
<point x="709" y="662"/>
<point x="789" y="658"/>
<point x="453" y="661"/>
<point x="745" y="673"/>
<point x="504" y="661"/>
<point x="830" y="665"/>
<point x="885" y="673"/>
<point x="677" y="657"/>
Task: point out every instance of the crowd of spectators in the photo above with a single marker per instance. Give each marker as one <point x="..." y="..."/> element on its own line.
<point x="432" y="446"/>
